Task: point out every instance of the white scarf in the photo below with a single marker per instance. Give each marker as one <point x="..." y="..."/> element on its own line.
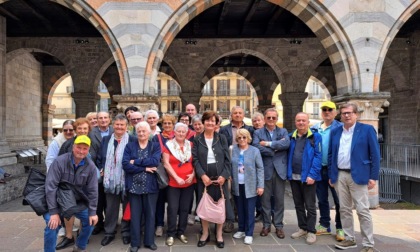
<point x="114" y="179"/>
<point x="175" y="149"/>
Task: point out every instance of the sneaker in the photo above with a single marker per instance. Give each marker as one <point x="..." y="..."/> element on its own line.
<point x="321" y="230"/>
<point x="62" y="232"/>
<point x="299" y="233"/>
<point x="197" y="219"/>
<point x="75" y="229"/>
<point x="248" y="240"/>
<point x="367" y="249"/>
<point x="346" y="244"/>
<point x="228" y="227"/>
<point x="310" y="238"/>
<point x="340" y="235"/>
<point x="239" y="235"/>
<point x="159" y="231"/>
<point x="191" y="219"/>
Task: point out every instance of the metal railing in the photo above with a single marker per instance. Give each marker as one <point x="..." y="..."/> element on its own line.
<point x="404" y="158"/>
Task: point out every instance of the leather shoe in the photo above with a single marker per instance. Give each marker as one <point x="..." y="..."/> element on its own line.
<point x="134" y="249"/>
<point x="183" y="239"/>
<point x="220" y="244"/>
<point x="97" y="230"/>
<point x="280" y="233"/>
<point x="265" y="231"/>
<point x="7" y="175"/>
<point x="152" y="246"/>
<point x="66" y="242"/>
<point x="107" y="240"/>
<point x="203" y="243"/>
<point x="126" y="240"/>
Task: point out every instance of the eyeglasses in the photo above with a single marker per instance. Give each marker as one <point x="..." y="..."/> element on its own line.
<point x="184" y="120"/>
<point x="68" y="130"/>
<point x="327" y="109"/>
<point x="241" y="137"/>
<point x="271" y="118"/>
<point x="346" y="113"/>
<point x="136" y="119"/>
<point x="167" y="123"/>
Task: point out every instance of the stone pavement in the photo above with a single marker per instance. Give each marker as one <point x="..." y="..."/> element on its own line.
<point x="395" y="230"/>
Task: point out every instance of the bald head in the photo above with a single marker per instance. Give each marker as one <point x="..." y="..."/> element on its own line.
<point x="191" y="110"/>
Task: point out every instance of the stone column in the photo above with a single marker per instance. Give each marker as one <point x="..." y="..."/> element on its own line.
<point x="85" y="102"/>
<point x="6" y="157"/>
<point x="47" y="116"/>
<point x="292" y="104"/>
<point x="188" y="98"/>
<point x="369" y="106"/>
<point x="142" y="102"/>
<point x="263" y="107"/>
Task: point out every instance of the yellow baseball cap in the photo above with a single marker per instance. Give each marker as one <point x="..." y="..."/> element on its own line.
<point x="328" y="104"/>
<point x="82" y="140"/>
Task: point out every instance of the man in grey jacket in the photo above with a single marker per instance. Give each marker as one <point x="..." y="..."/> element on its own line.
<point x="273" y="143"/>
<point x="80" y="173"/>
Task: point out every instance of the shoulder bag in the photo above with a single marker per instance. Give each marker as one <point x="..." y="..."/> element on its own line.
<point x="210" y="210"/>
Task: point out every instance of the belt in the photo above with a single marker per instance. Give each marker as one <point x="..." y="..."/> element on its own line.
<point x="344" y="170"/>
<point x="324" y="167"/>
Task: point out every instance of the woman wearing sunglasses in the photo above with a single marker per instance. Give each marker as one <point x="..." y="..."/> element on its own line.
<point x="247" y="183"/>
<point x="57" y="142"/>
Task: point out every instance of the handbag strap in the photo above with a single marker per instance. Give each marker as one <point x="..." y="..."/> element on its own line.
<point x="221" y="190"/>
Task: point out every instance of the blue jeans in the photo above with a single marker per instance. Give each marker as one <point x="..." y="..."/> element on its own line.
<point x="50" y="235"/>
<point x="245" y="207"/>
<point x="322" y="188"/>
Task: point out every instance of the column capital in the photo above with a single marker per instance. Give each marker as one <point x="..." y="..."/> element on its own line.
<point x="142" y="102"/>
<point x="369" y="104"/>
<point x="88" y="96"/>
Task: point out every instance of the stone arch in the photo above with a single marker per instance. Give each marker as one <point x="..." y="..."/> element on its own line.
<point x="400" y="82"/>
<point x="315" y="16"/>
<point x="402" y="19"/>
<point x="170" y="71"/>
<point x="58" y="79"/>
<point x="86" y="11"/>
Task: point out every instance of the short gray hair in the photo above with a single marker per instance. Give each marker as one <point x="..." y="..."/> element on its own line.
<point x="195" y="118"/>
<point x="151" y="111"/>
<point x="121" y="117"/>
<point x="257" y="114"/>
<point x="180" y="125"/>
<point x="235" y="108"/>
<point x="143" y="124"/>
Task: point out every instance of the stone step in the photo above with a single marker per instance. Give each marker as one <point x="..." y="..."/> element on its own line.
<point x="13" y="187"/>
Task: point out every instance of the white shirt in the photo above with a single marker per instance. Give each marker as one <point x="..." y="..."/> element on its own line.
<point x="211" y="159"/>
<point x="344" y="150"/>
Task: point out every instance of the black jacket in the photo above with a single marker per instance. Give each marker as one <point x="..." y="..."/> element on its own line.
<point x="227" y="131"/>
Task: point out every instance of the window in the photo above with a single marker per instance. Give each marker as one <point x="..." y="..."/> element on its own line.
<point x="315" y="88"/>
<point x="315" y="108"/>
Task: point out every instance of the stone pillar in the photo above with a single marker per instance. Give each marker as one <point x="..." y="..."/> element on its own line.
<point x="292" y="104"/>
<point x="263" y="107"/>
<point x="188" y="98"/>
<point x="47" y="116"/>
<point x="369" y="106"/>
<point x="6" y="157"/>
<point x="142" y="102"/>
<point x="85" y="102"/>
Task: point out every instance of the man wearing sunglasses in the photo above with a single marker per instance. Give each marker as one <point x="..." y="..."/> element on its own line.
<point x="273" y="143"/>
<point x="135" y="118"/>
<point x="324" y="128"/>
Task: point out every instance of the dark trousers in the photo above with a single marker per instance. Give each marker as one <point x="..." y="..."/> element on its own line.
<point x="322" y="188"/>
<point x="274" y="189"/>
<point x="245" y="207"/>
<point x="178" y="203"/>
<point x="305" y="204"/>
<point x="142" y="204"/>
<point x="111" y="216"/>
<point x="160" y="207"/>
<point x="101" y="207"/>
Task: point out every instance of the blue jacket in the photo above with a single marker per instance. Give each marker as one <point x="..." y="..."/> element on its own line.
<point x="101" y="155"/>
<point x="311" y="158"/>
<point x="275" y="156"/>
<point x="227" y="131"/>
<point x="131" y="153"/>
<point x="365" y="155"/>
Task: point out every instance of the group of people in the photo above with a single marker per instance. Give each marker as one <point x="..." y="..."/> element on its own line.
<point x="107" y="166"/>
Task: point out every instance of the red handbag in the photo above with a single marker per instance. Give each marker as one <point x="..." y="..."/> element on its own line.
<point x="210" y="210"/>
<point x="127" y="212"/>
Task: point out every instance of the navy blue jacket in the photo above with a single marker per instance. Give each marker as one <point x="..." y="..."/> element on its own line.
<point x="131" y="153"/>
<point x="227" y="131"/>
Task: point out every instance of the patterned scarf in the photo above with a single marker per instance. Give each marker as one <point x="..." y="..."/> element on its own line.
<point x="175" y="149"/>
<point x="114" y="179"/>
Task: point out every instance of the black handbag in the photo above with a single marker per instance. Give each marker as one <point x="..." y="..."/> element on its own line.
<point x="162" y="176"/>
<point x="34" y="192"/>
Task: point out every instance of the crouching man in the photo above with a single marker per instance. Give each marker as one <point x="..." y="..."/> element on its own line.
<point x="77" y="172"/>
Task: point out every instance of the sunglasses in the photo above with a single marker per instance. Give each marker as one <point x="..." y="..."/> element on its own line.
<point x="327" y="109"/>
<point x="68" y="130"/>
<point x="241" y="137"/>
<point x="136" y="119"/>
<point x="271" y="118"/>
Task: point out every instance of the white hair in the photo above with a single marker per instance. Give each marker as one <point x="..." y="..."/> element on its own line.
<point x="145" y="125"/>
<point x="151" y="111"/>
<point x="180" y="125"/>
